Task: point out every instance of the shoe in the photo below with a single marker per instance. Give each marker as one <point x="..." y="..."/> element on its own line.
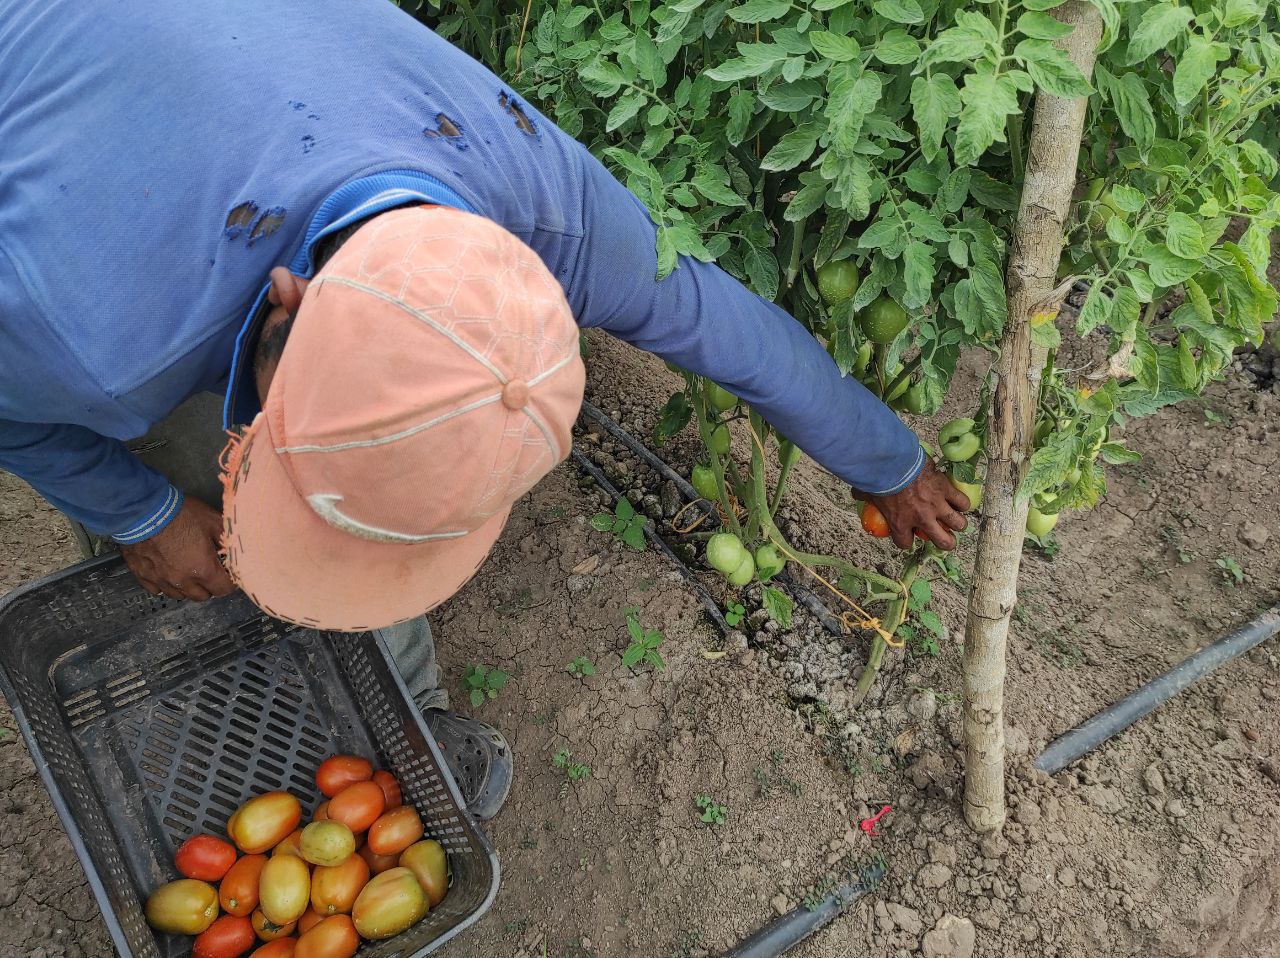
<point x="478" y="757"/>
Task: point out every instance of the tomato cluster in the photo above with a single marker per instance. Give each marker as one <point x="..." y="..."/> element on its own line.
<point x="359" y="870"/>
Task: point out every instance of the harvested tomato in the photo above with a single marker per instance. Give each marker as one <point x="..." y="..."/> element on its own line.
<point x="427" y="860"/>
<point x="268" y="930"/>
<point x="377" y="863"/>
<point x="228" y="937"/>
<point x="389" y="904"/>
<point x="284" y="889"/>
<point x="390" y="788"/>
<point x="335" y="937"/>
<point x="280" y="948"/>
<point x="204" y="857"/>
<point x="291" y="844"/>
<point x="238" y="893"/>
<point x="327" y="843"/>
<point x="334" y="887"/>
<point x="358" y="806"/>
<point x="322" y="813"/>
<point x="336" y="773"/>
<point x="262" y="822"/>
<point x="310" y="918"/>
<point x="183" y="907"/>
<point x="395" y="831"/>
<point x="874" y="522"/>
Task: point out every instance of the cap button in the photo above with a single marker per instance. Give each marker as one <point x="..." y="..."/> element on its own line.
<point x="515" y="394"/>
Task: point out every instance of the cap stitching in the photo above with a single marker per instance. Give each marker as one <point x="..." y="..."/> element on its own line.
<point x="395" y="436"/>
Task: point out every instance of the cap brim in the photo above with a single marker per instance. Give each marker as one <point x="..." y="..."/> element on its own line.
<point x="297" y="567"/>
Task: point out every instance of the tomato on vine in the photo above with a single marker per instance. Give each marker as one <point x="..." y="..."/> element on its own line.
<point x="882" y="321"/>
<point x="958" y="441"/>
<point x="837" y="282"/>
<point x="703" y="480"/>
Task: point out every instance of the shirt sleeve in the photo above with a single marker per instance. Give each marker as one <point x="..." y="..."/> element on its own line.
<point x="704" y="320"/>
<point x="92" y="479"/>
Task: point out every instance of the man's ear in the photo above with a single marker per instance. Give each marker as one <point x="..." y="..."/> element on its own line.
<point x="286" y="289"/>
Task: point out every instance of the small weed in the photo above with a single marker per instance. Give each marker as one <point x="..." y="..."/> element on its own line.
<point x="687" y="945"/>
<point x="644" y="644"/>
<point x="624" y="522"/>
<point x="483" y="682"/>
<point x="1230" y="569"/>
<point x="1173" y="537"/>
<point x="1212" y="418"/>
<point x="581" y="667"/>
<point x="1062" y="652"/>
<point x="1048" y="546"/>
<point x="734" y="612"/>
<point x="574" y="772"/>
<point x="713" y="813"/>
<point x="766" y="782"/>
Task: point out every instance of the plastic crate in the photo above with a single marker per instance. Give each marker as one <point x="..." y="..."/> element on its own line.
<point x="151" y="720"/>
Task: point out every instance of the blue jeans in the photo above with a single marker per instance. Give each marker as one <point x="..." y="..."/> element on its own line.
<point x="184" y="448"/>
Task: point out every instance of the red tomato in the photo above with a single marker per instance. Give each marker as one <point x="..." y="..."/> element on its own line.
<point x="264" y="821"/>
<point x="390" y="788"/>
<point x="204" y="857"/>
<point x="280" y="948"/>
<point x="336" y="773"/>
<point x="322" y="813"/>
<point x="357" y="806"/>
<point x="309" y="920"/>
<point x="377" y="863"/>
<point x="335" y="937"/>
<point x="395" y="831"/>
<point x="874" y="522"/>
<point x="228" y="937"/>
<point x="238" y="893"/>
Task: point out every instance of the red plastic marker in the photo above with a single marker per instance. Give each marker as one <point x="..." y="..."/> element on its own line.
<point x="868" y="825"/>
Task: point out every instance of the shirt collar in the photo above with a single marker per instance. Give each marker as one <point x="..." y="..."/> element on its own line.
<point x="354" y="201"/>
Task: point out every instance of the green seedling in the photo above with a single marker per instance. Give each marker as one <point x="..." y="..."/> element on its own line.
<point x="624" y="522"/>
<point x="483" y="682"/>
<point x="644" y="645"/>
<point x="734" y="613"/>
<point x="713" y="813"/>
<point x="574" y="772"/>
<point x="581" y="667"/>
<point x="1230" y="570"/>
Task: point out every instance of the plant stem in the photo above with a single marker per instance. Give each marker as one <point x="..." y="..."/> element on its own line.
<point x="904" y="373"/>
<point x="776" y="499"/>
<point x="895" y="615"/>
<point x="700" y="406"/>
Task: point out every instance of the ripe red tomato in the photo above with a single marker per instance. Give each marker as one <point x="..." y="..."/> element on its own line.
<point x="335" y="937"/>
<point x="228" y="937"/>
<point x="204" y="857"/>
<point x="390" y="788"/>
<point x="395" y="831"/>
<point x="238" y="892"/>
<point x="339" y="771"/>
<point x="874" y="522"/>
<point x="357" y="806"/>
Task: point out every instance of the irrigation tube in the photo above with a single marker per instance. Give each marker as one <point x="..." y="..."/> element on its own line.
<point x="1066" y="749"/>
<point x="787" y="931"/>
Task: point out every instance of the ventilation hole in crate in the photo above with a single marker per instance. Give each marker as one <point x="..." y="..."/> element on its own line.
<point x="247" y="714"/>
<point x="112" y="685"/>
<point x="207" y="724"/>
<point x="275" y="740"/>
<point x="197" y="750"/>
<point x="247" y="727"/>
<point x="299" y="781"/>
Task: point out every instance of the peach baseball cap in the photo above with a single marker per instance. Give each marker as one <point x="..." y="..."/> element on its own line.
<point x="431" y="378"/>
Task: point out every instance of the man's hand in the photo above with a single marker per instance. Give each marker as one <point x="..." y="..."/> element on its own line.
<point x="930" y="503"/>
<point x="181" y="560"/>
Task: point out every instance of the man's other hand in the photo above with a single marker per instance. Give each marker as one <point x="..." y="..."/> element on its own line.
<point x="181" y="560"/>
<point x="929" y="503"/>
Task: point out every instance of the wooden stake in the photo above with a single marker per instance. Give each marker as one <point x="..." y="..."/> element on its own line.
<point x="1056" y="131"/>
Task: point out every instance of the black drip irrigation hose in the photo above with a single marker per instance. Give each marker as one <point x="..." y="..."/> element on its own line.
<point x="1115" y="719"/>
<point x="803" y="595"/>
<point x="706" y="598"/>
<point x="787" y="931"/>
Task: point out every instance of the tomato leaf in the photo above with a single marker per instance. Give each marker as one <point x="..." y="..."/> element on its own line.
<point x="1050" y="465"/>
<point x="762" y="271"/>
<point x="759" y="11"/>
<point x="624" y="510"/>
<point x="832" y="46"/>
<point x="919" y="272"/>
<point x="934" y="101"/>
<point x="602" y="522"/>
<point x="712" y="181"/>
<point x="1052" y="69"/>
<point x="778" y="604"/>
<point x="1184" y="237"/>
<point x="625" y="110"/>
<point x="899" y="11"/>
<point x="897" y="47"/>
<point x="1196" y="67"/>
<point x="988" y="100"/>
<point x="933" y="622"/>
<point x="633" y="536"/>
<point x="954" y="45"/>
<point x="1041" y="26"/>
<point x="1096" y="310"/>
<point x="796" y="146"/>
<point x="1157" y="29"/>
<point x="1167" y="268"/>
<point x="742" y="107"/>
<point x="673" y="417"/>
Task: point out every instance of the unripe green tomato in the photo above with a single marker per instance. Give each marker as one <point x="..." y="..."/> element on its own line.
<point x="725" y="552"/>
<point x="720" y="440"/>
<point x="768" y="561"/>
<point x="703" y="480"/>
<point x="837" y="282"/>
<point x="883" y="320"/>
<point x="958" y="441"/>
<point x="720" y="398"/>
<point x="898" y="391"/>
<point x="1040" y="524"/>
<point x="744" y="573"/>
<point x="862" y="360"/>
<point x="971" y="489"/>
<point x="914" y="401"/>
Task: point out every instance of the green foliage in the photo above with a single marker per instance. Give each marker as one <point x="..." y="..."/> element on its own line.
<point x="778" y="604"/>
<point x="624" y="522"/>
<point x="713" y="813"/>
<point x="574" y="772"/>
<point x="581" y="667"/>
<point x="644" y="644"/>
<point x="483" y="682"/>
<point x="1230" y="569"/>
<point x="734" y="612"/>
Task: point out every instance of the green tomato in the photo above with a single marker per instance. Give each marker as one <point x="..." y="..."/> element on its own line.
<point x="914" y="401"/>
<point x="1040" y="524"/>
<point x="768" y="561"/>
<point x="720" y="398"/>
<point x="704" y="483"/>
<point x="971" y="489"/>
<point x="899" y="391"/>
<point x="725" y="552"/>
<point x="744" y="573"/>
<point x="1105" y="209"/>
<point x="720" y="440"/>
<point x="882" y="321"/>
<point x="958" y="441"/>
<point x="862" y="360"/>
<point x="837" y="282"/>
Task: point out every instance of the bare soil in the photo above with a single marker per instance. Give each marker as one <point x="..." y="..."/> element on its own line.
<point x="1163" y="843"/>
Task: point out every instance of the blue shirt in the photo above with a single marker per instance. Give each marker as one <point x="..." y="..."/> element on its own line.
<point x="157" y="160"/>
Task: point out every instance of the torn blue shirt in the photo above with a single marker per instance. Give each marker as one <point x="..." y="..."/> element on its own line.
<point x="156" y="161"/>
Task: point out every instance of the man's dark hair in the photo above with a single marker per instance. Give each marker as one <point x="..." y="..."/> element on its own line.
<point x="271" y="342"/>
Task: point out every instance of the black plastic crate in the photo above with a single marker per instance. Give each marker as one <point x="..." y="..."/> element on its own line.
<point x="151" y="720"/>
